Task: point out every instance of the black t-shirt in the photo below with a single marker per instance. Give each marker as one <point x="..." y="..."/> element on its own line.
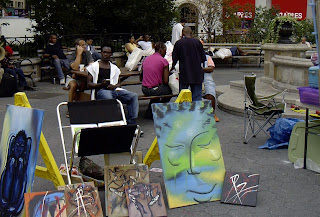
<point x="190" y="54"/>
<point x="55" y="49"/>
<point x="103" y="74"/>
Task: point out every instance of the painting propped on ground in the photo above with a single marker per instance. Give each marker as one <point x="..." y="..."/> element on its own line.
<point x="190" y="152"/>
<point x="18" y="156"/>
<point x="116" y="178"/>
<point x="40" y="204"/>
<point x="83" y="200"/>
<point x="240" y="188"/>
<point x="144" y="200"/>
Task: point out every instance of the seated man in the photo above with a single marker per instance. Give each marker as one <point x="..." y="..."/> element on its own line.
<point x="90" y="48"/>
<point x="144" y="42"/>
<point x="81" y="56"/>
<point x="103" y="78"/>
<point x="54" y="51"/>
<point x="156" y="76"/>
<point x="209" y="85"/>
<point x="17" y="73"/>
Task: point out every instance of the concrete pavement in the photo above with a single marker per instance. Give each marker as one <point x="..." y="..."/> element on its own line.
<point x="283" y="190"/>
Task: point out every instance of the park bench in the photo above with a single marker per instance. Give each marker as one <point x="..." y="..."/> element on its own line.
<point x="253" y="51"/>
<point x="27" y="66"/>
<point x="144" y="97"/>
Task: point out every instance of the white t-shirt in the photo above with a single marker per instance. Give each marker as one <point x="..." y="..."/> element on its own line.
<point x="176" y="33"/>
<point x="145" y="45"/>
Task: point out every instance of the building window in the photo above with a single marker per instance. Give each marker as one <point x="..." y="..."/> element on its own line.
<point x="189" y="12"/>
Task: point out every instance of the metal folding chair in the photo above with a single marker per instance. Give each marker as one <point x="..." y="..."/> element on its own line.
<point x="92" y="114"/>
<point x="256" y="108"/>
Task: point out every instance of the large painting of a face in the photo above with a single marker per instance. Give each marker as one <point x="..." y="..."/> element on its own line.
<point x="190" y="152"/>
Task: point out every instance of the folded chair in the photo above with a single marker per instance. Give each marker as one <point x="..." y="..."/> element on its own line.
<point x="257" y="108"/>
<point x="89" y="121"/>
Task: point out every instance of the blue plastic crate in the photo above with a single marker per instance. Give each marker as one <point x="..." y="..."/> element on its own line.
<point x="313" y="77"/>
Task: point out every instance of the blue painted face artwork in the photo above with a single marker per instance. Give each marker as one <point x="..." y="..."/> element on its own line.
<point x="14" y="178"/>
<point x="19" y="148"/>
<point x="190" y="152"/>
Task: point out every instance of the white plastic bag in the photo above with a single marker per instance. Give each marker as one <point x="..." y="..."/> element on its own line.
<point x="223" y="53"/>
<point x="174" y="82"/>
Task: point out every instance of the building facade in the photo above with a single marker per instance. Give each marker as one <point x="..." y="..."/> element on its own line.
<point x="298" y="9"/>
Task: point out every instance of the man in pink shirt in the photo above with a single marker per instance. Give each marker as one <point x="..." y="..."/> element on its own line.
<point x="156" y="76"/>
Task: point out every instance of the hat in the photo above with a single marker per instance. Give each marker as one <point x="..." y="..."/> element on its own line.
<point x="9" y="50"/>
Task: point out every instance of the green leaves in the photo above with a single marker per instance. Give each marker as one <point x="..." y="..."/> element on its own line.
<point x="67" y="17"/>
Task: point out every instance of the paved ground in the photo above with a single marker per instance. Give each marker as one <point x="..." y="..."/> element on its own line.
<point x="283" y="190"/>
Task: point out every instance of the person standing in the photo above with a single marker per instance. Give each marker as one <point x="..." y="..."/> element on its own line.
<point x="54" y="51"/>
<point x="177" y="31"/>
<point x="191" y="56"/>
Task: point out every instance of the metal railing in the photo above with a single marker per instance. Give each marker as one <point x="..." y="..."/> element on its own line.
<point x="28" y="46"/>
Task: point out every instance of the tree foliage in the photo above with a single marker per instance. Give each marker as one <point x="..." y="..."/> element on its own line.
<point x="261" y="21"/>
<point x="102" y="16"/>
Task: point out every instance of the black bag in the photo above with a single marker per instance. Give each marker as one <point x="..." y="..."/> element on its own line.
<point x="8" y="85"/>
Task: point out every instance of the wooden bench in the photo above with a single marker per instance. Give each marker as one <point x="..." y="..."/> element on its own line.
<point x="25" y="64"/>
<point x="144" y="97"/>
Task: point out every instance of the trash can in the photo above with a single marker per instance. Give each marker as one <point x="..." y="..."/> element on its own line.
<point x="119" y="58"/>
<point x="313" y="76"/>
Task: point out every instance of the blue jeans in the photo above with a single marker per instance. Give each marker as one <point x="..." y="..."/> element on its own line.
<point x="126" y="97"/>
<point x="17" y="73"/>
<point x="58" y="63"/>
<point x="196" y="90"/>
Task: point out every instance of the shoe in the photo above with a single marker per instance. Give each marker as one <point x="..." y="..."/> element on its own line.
<point x="67" y="114"/>
<point x="136" y="132"/>
<point x="62" y="81"/>
<point x="216" y="118"/>
<point x="27" y="88"/>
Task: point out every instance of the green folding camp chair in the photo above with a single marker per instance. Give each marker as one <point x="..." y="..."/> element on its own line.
<point x="256" y="108"/>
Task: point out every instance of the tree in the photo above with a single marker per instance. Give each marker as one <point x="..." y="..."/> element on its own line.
<point x="102" y="16"/>
<point x="262" y="19"/>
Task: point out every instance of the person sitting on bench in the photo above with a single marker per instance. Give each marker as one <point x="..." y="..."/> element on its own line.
<point x="80" y="56"/>
<point x="103" y="78"/>
<point x="14" y="71"/>
<point x="155" y="80"/>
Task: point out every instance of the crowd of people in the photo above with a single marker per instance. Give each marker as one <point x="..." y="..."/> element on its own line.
<point x="194" y="66"/>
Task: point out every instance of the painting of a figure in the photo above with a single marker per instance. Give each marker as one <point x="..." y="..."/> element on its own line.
<point x="116" y="178"/>
<point x="18" y="155"/>
<point x="145" y="200"/>
<point x="45" y="204"/>
<point x="240" y="188"/>
<point x="190" y="152"/>
<point x="83" y="201"/>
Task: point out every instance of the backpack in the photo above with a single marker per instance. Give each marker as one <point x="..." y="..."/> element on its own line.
<point x="8" y="85"/>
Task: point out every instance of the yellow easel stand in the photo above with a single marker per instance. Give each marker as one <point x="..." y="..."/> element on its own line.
<point x="153" y="152"/>
<point x="51" y="171"/>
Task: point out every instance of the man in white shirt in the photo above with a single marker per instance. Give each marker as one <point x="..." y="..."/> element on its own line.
<point x="144" y="42"/>
<point x="177" y="31"/>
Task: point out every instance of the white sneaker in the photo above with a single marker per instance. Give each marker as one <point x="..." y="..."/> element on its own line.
<point x="62" y="81"/>
<point x="136" y="132"/>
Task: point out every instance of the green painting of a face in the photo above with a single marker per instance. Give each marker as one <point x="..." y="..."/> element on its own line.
<point x="190" y="152"/>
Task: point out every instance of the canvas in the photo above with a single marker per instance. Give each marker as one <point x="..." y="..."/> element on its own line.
<point x="145" y="200"/>
<point x="116" y="178"/>
<point x="43" y="204"/>
<point x="190" y="152"/>
<point x="240" y="188"/>
<point x="18" y="156"/>
<point x="83" y="200"/>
